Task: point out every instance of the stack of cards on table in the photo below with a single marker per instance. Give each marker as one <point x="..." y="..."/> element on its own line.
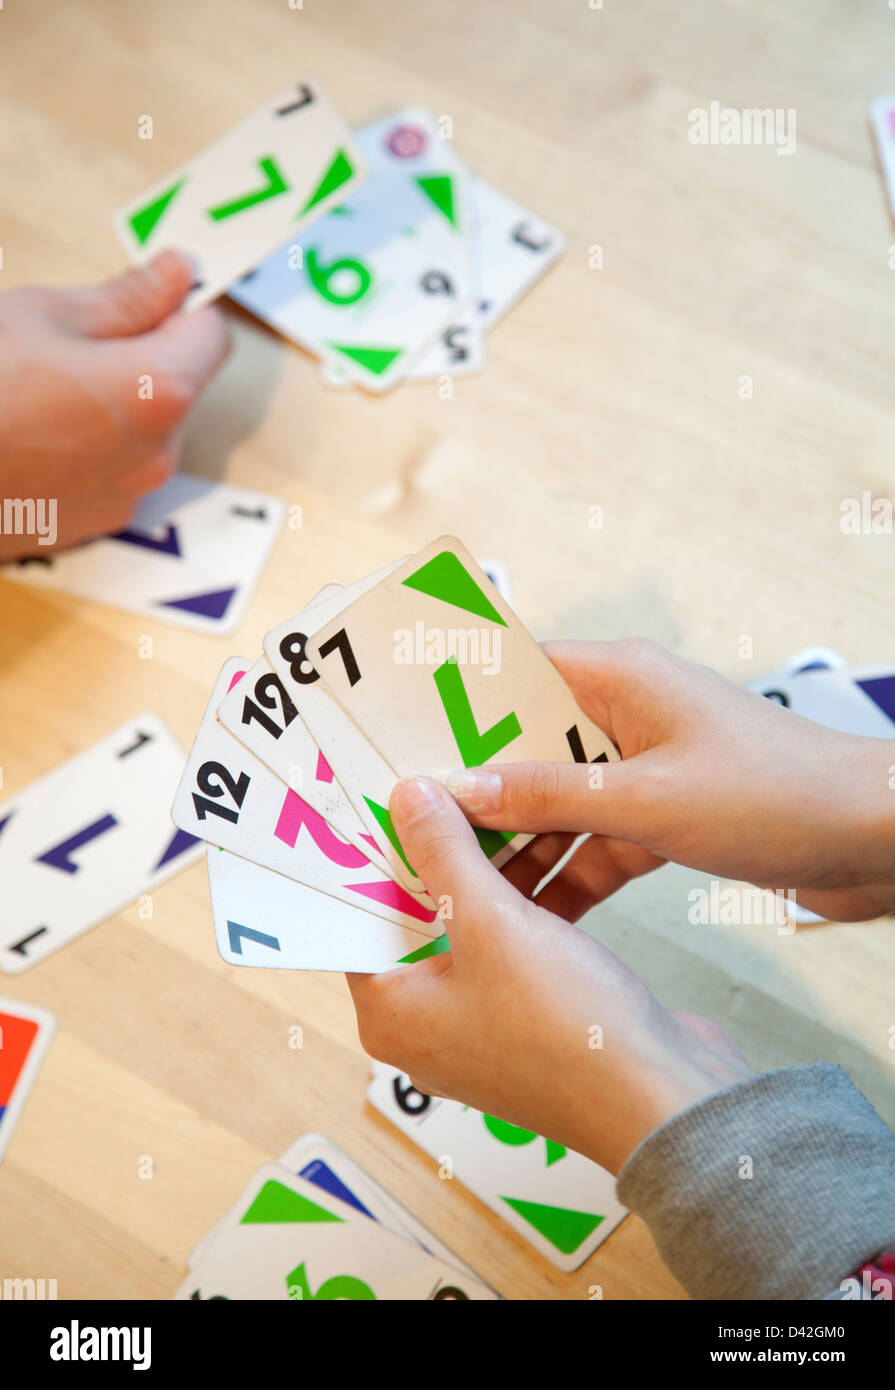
<point x="420" y="668"/>
<point x="25" y="1034"/>
<point x="380" y="253"/>
<point x="556" y="1199"/>
<point x="315" y="1226"/>
<point x="818" y="684"/>
<point x="90" y="837"/>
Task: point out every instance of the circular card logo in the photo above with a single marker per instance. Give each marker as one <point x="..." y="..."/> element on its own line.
<point x="406" y="141"/>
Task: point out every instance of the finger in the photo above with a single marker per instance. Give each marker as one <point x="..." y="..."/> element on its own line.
<point x="604" y="798"/>
<point x="536" y="860"/>
<point x="188" y="348"/>
<point x="593" y="873"/>
<point x="443" y="849"/>
<point x="132" y="303"/>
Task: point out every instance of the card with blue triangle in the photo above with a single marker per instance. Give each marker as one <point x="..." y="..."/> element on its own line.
<point x="191" y="555"/>
<point x="275" y="172"/>
<point x="287" y="1238"/>
<point x="87" y="839"/>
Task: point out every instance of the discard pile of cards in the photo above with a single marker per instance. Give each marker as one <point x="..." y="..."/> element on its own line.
<point x="818" y="684"/>
<point x="418" y="669"/>
<point x="315" y="1226"/>
<point x="379" y="252"/>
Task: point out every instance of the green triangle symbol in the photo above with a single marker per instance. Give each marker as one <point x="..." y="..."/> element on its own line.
<point x="440" y="188"/>
<point x="277" y="1203"/>
<point x="431" y="948"/>
<point x="339" y="172"/>
<point x="563" y="1228"/>
<point x="444" y="577"/>
<point x="385" y="821"/>
<point x="143" y="223"/>
<point x="375" y="360"/>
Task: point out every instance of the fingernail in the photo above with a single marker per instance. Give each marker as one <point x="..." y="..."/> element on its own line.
<point x="477" y="790"/>
<point x="415" y="797"/>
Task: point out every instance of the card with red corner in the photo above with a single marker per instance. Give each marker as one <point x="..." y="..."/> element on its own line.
<point x="230" y="799"/>
<point x="25" y="1033"/>
<point x="439" y="673"/>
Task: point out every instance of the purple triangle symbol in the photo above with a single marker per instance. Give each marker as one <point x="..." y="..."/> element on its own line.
<point x="212" y="605"/>
<point x="6" y="820"/>
<point x="180" y="842"/>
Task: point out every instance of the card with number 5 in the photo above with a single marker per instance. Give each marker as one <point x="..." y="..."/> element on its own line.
<point x="257" y="186"/>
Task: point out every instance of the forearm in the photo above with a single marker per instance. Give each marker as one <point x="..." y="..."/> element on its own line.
<point x="779" y="1187"/>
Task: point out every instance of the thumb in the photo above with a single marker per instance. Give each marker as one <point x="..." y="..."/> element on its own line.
<point x="132" y="303"/>
<point x="600" y="798"/>
<point x="188" y="348"/>
<point x="443" y="849"/>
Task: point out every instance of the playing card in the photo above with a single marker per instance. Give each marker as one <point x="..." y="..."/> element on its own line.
<point x="191" y="556"/>
<point x="833" y="697"/>
<point x="321" y="1162"/>
<point x="555" y="1198"/>
<point x="262" y="918"/>
<point x="259" y="712"/>
<point x="438" y="673"/>
<point x="87" y="839"/>
<point x="266" y="179"/>
<point x="289" y="1239"/>
<point x="359" y="768"/>
<point x="496" y="571"/>
<point x="232" y="800"/>
<point x="514" y="249"/>
<point x="882" y="118"/>
<point x="25" y="1033"/>
<point x="372" y="285"/>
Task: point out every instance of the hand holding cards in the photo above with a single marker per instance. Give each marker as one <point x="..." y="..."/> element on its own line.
<point x="420" y="668"/>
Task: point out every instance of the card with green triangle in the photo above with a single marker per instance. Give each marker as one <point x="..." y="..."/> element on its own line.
<point x="286" y="1238"/>
<point x="439" y="673"/>
<point x="556" y="1199"/>
<point x="263" y="182"/>
<point x="372" y="286"/>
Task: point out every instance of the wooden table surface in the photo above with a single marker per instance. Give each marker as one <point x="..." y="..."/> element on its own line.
<point x="619" y="388"/>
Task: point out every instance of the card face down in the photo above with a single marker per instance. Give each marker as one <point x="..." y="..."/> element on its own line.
<point x="559" y="1201"/>
<point x="267" y="178"/>
<point x="191" y="556"/>
<point x="438" y="673"/>
<point x="287" y="1239"/>
<point x="88" y="838"/>
<point x="25" y="1033"/>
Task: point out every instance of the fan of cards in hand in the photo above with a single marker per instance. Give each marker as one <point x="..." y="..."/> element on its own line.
<point x="419" y="669"/>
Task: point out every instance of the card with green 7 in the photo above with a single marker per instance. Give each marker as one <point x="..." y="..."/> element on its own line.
<point x="287" y="1239"/>
<point x="439" y="673"/>
<point x="261" y="183"/>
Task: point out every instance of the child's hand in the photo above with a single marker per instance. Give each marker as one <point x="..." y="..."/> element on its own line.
<point x="528" y="1018"/>
<point x="713" y="776"/>
<point x="75" y="367"/>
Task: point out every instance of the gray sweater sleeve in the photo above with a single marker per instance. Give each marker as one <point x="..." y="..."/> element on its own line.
<point x="778" y="1187"/>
